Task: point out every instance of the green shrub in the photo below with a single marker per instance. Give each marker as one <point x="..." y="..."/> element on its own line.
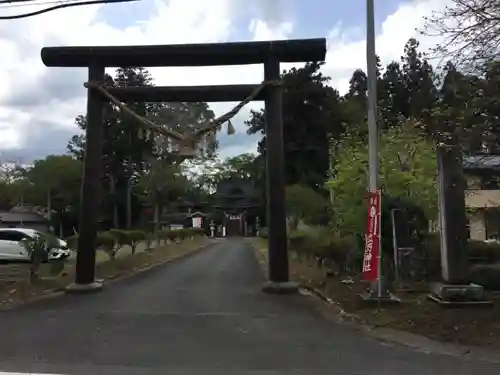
<point x="483" y="252"/>
<point x="416" y="224"/>
<point x="301" y="243"/>
<point x="176" y="235"/>
<point x="38" y="248"/>
<point x="162" y="236"/>
<point x="150" y="237"/>
<point x="127" y="238"/>
<point x="182" y="233"/>
<point x="186" y="233"/>
<point x="326" y="247"/>
<point x="486" y="276"/>
<point x="159" y="236"/>
<point x="196" y="232"/>
<point x="478" y="252"/>
<point x="107" y="243"/>
<point x="120" y="236"/>
<point x="172" y="235"/>
<point x="343" y="253"/>
<point x="336" y="251"/>
<point x="134" y="237"/>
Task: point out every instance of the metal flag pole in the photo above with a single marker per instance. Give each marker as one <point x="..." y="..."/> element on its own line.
<point x="371" y="62"/>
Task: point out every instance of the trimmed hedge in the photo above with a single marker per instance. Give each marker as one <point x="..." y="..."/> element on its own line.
<point x="344" y="254"/>
<point x="478" y="252"/>
<point x="326" y="247"/>
<point x="486" y="276"/>
<point x="111" y="241"/>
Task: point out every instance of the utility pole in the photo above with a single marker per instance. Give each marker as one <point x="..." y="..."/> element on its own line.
<point x="371" y="62"/>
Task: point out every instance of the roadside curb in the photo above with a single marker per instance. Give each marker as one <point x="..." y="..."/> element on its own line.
<point x="420" y="343"/>
<point x="417" y="342"/>
<point x="59" y="292"/>
<point x="318" y="294"/>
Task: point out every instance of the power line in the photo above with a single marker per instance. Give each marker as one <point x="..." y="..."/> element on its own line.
<point x="61" y="5"/>
<point x="14" y="1"/>
<point x="32" y="3"/>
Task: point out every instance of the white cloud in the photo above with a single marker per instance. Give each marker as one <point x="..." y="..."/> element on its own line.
<point x="345" y="55"/>
<point x="56" y="95"/>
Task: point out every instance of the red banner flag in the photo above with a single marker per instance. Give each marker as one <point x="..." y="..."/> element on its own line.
<point x="372" y="237"/>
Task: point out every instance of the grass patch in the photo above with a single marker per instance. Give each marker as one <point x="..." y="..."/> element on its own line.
<point x="14" y="278"/>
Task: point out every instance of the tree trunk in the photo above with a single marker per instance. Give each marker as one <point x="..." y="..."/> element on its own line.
<point x="156" y="218"/>
<point x="49" y="205"/>
<point x="116" y="223"/>
<point x="129" y="204"/>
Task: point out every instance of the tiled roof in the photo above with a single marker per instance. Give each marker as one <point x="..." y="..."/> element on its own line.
<point x="482" y="162"/>
<point x="17" y="217"/>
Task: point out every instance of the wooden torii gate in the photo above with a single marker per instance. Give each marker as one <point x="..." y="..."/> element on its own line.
<point x="269" y="53"/>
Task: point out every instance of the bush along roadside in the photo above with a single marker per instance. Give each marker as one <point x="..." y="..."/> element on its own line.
<point x="115" y="240"/>
<point x="120" y="253"/>
<point x="343" y="255"/>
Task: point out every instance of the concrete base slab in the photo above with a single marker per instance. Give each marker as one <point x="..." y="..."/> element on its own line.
<point x="288" y="287"/>
<point x="385" y="299"/>
<point x="373" y="298"/>
<point x="75" y="288"/>
<point x="464" y="294"/>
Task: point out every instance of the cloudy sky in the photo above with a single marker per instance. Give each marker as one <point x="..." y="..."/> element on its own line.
<point x="38" y="104"/>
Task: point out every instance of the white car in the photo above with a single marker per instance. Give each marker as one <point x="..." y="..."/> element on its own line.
<point x="12" y="248"/>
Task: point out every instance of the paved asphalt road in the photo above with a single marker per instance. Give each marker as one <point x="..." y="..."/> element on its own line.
<point x="201" y="315"/>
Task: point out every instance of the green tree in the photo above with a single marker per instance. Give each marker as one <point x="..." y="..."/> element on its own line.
<point x="244" y="166"/>
<point x="128" y="149"/>
<point x="353" y="105"/>
<point x="311" y="115"/>
<point x="6" y="195"/>
<point x="393" y="97"/>
<point x="303" y="204"/>
<point x="160" y="185"/>
<point x="459" y="111"/>
<point x="55" y="183"/>
<point x="407" y="170"/>
<point x="207" y="174"/>
<point x="419" y="82"/>
<point x="183" y="117"/>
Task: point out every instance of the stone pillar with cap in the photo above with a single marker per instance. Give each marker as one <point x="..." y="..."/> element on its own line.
<point x="454" y="287"/>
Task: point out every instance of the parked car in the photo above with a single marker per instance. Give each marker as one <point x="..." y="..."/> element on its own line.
<point x="13" y="249"/>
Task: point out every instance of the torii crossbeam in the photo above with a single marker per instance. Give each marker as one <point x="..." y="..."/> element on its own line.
<point x="268" y="53"/>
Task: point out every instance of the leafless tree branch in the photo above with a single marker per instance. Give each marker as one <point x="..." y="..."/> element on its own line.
<point x="471" y="31"/>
